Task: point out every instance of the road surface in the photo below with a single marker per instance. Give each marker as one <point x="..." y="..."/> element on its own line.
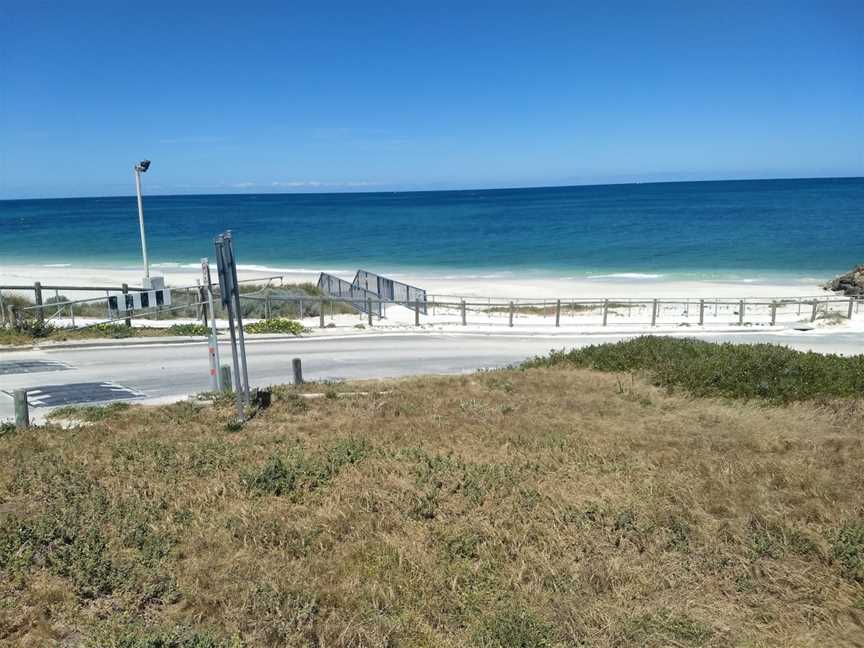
<point x="170" y="371"/>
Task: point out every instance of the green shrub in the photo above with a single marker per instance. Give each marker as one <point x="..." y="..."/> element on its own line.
<point x="848" y="551"/>
<point x="276" y="325"/>
<point x="763" y="371"/>
<point x="36" y="329"/>
<point x="299" y="473"/>
<point x="113" y="330"/>
<point x="189" y="329"/>
<point x="513" y="628"/>
<point x="90" y="413"/>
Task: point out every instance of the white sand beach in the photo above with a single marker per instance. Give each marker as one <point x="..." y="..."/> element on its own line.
<point x="494" y="285"/>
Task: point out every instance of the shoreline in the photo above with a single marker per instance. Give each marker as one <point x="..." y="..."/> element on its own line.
<point x="477" y="283"/>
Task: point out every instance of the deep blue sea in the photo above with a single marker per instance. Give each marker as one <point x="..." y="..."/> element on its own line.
<point x="729" y="229"/>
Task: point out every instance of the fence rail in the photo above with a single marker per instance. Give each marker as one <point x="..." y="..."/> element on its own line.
<point x="189" y="302"/>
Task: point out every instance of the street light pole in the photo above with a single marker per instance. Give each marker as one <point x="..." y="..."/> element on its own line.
<point x="140" y="168"/>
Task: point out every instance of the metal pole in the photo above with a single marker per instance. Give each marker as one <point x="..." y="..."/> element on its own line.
<point x="141" y="225"/>
<point x="239" y="322"/>
<point x="213" y="347"/>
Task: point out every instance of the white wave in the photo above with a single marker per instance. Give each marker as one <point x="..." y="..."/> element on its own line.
<point x="626" y="275"/>
<point x="57" y="265"/>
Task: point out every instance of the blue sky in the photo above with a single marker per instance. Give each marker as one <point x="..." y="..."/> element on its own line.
<point x="258" y="96"/>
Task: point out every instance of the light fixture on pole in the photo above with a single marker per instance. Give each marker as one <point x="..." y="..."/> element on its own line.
<point x="140" y="168"/>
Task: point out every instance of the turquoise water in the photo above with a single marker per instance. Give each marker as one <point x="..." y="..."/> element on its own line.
<point x="734" y="229"/>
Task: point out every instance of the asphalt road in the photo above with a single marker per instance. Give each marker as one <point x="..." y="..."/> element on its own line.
<point x="169" y="371"/>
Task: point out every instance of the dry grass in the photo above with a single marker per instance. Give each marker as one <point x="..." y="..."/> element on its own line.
<point x="545" y="507"/>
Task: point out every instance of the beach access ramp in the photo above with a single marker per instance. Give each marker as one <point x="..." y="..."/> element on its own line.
<point x="369" y="288"/>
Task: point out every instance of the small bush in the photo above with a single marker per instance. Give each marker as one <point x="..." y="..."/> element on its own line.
<point x="90" y="413"/>
<point x="113" y="330"/>
<point x="276" y="325"/>
<point x="298" y="473"/>
<point x="513" y="628"/>
<point x="36" y="329"/>
<point x="189" y="329"/>
<point x="848" y="551"/>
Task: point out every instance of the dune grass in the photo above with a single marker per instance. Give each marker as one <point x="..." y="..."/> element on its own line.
<point x="763" y="371"/>
<point x="553" y="506"/>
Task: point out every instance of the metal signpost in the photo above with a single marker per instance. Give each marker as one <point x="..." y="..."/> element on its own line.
<point x="213" y="346"/>
<point x="231" y="299"/>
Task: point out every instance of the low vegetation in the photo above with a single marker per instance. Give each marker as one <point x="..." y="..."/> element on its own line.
<point x="276" y="325"/>
<point x="552" y="506"/>
<point x="764" y="371"/>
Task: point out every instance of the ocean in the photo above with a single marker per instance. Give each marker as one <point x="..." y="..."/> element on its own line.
<point x="738" y="230"/>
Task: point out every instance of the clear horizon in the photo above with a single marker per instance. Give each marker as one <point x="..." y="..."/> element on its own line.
<point x="374" y="191"/>
<point x="344" y="98"/>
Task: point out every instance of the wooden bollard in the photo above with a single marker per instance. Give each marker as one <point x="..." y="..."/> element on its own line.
<point x="605" y="311"/>
<point x="654" y="313"/>
<point x="22" y="409"/>
<point x="225" y="379"/>
<point x="369" y="309"/>
<point x="701" y="312"/>
<point x="37" y="296"/>
<point x="558" y="313"/>
<point x="297" y="367"/>
<point x="464" y="319"/>
<point x="741" y="313"/>
<point x="417" y="313"/>
<point x="511" y="314"/>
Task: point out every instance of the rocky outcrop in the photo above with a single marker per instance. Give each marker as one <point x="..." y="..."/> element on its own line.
<point x="851" y="283"/>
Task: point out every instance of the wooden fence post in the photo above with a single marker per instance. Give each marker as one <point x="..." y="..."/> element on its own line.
<point x="849" y="312"/>
<point x="3" y="309"/>
<point x="225" y="378"/>
<point x="773" y="313"/>
<point x="369" y="309"/>
<point x="125" y="289"/>
<point x="417" y="313"/>
<point x="464" y="319"/>
<point x="815" y="310"/>
<point x="558" y="313"/>
<point x="321" y="313"/>
<point x="511" y="314"/>
<point x="37" y="295"/>
<point x="654" y="313"/>
<point x="22" y="409"/>
<point x="605" y="311"/>
<point x="741" y="313"/>
<point x="701" y="312"/>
